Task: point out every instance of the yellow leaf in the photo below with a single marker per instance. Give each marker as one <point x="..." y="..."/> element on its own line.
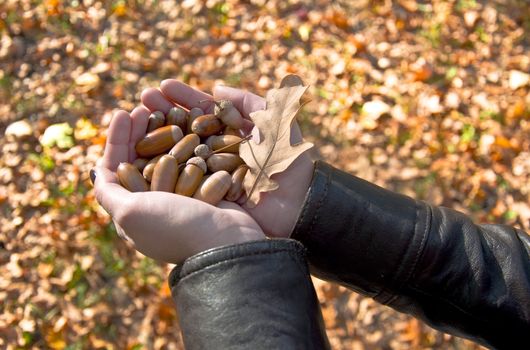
<point x="345" y="115"/>
<point x="44" y="270"/>
<point x="503" y="142"/>
<point x="120" y="9"/>
<point x="516" y="110"/>
<point x="84" y="129"/>
<point x="304" y="30"/>
<point x="55" y="340"/>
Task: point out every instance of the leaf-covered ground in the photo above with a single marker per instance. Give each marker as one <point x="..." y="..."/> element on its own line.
<point x="429" y="98"/>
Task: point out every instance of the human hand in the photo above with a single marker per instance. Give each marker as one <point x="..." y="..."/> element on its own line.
<point x="277" y="211"/>
<point x="161" y="225"/>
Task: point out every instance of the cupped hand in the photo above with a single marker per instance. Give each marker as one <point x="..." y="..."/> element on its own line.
<point x="277" y="211"/>
<point x="161" y="225"/>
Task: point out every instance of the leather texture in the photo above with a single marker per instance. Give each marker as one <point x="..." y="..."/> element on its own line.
<point x="255" y="295"/>
<point x="432" y="262"/>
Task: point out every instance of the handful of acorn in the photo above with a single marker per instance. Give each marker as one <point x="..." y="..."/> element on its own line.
<point x="203" y="160"/>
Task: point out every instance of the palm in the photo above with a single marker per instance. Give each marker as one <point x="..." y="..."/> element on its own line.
<point x="158" y="222"/>
<point x="176" y="221"/>
<point x="277" y="211"/>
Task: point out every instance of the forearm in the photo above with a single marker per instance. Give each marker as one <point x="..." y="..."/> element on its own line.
<point x="255" y="295"/>
<point x="433" y="263"/>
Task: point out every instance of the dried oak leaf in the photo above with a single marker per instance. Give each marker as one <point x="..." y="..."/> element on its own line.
<point x="273" y="152"/>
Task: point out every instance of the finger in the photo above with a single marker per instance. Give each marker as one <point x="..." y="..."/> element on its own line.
<point x="246" y="102"/>
<point x="185" y="95"/>
<point x="155" y="100"/>
<point x="109" y="194"/>
<point x="118" y="136"/>
<point x="139" y="119"/>
<point x="247" y="127"/>
<point x="121" y="233"/>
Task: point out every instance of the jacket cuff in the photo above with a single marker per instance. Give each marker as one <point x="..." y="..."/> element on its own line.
<point x="255" y="295"/>
<point x="359" y="234"/>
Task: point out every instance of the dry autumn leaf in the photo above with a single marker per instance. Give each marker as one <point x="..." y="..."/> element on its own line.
<point x="273" y="152"/>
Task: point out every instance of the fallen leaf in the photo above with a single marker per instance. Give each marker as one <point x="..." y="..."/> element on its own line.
<point x="304" y="31"/>
<point x="85" y="129"/>
<point x="88" y="81"/>
<point x="58" y="134"/>
<point x="518" y="79"/>
<point x="44" y="270"/>
<point x="470" y="18"/>
<point x="273" y="152"/>
<point x="19" y="130"/>
<point x="375" y="109"/>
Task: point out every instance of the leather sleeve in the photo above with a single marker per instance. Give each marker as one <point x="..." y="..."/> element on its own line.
<point x="255" y="295"/>
<point x="432" y="262"/>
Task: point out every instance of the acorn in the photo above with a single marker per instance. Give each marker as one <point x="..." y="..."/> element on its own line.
<point x="191" y="176"/>
<point x="130" y="178"/>
<point x="140" y="163"/>
<point x="230" y="131"/>
<point x="150" y="167"/>
<point x="184" y="148"/>
<point x="159" y="141"/>
<point x="214" y="188"/>
<point x="165" y="174"/>
<point x="192" y="115"/>
<point x="216" y="142"/>
<point x="177" y="116"/>
<point x="181" y="167"/>
<point x="228" y="113"/>
<point x="202" y="151"/>
<point x="156" y="120"/>
<point x="236" y="188"/>
<point x="223" y="161"/>
<point x="207" y="125"/>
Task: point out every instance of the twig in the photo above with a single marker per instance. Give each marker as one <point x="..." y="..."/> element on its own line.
<point x="248" y="137"/>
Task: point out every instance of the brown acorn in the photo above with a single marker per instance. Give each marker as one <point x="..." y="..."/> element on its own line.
<point x="140" y="163"/>
<point x="159" y="141"/>
<point x="223" y="161"/>
<point x="156" y="120"/>
<point x="130" y="178"/>
<point x="230" y="131"/>
<point x="216" y="142"/>
<point x="228" y="113"/>
<point x="191" y="177"/>
<point x="150" y="167"/>
<point x="236" y="188"/>
<point x="192" y="115"/>
<point x="177" y="116"/>
<point x="207" y="125"/>
<point x="165" y="174"/>
<point x="214" y="188"/>
<point x="184" y="148"/>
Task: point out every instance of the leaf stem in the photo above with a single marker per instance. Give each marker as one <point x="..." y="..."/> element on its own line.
<point x="246" y="138"/>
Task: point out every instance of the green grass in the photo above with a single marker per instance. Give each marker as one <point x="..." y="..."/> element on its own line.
<point x="433" y="34"/>
<point x="463" y="5"/>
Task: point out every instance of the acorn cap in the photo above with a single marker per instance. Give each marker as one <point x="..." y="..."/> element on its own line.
<point x="202" y="151"/>
<point x="199" y="162"/>
<point x="222" y="105"/>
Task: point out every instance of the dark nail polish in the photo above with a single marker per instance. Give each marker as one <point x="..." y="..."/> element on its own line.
<point x="92" y="176"/>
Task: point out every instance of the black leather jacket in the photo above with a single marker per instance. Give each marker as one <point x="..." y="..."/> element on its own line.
<point x="434" y="263"/>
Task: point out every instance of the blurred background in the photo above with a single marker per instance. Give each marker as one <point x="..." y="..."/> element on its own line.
<point x="428" y="98"/>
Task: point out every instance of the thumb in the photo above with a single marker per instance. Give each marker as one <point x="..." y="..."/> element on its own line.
<point x="109" y="193"/>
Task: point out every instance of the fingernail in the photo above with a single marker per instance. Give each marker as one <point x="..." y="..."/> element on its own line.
<point x="92" y="176"/>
